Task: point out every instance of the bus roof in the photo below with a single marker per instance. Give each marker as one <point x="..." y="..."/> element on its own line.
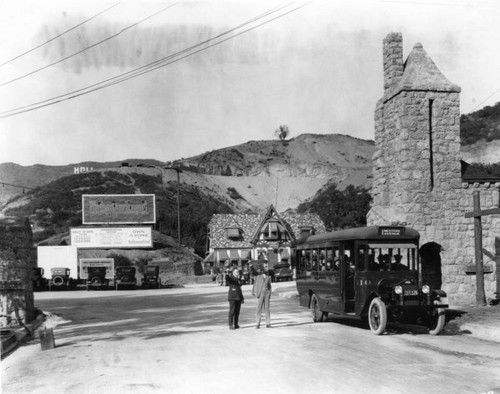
<point x="389" y="233"/>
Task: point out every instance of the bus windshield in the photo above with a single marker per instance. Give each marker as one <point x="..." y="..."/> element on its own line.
<point x="373" y="257"/>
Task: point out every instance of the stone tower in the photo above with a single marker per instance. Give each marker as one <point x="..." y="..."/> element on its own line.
<point x="417" y="176"/>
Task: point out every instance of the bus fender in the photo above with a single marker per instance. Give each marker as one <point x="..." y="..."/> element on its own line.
<point x="364" y="311"/>
<point x="439" y="293"/>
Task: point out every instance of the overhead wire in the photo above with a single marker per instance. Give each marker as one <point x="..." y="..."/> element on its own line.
<point x="18" y="186"/>
<point x="96" y="86"/>
<point x="86" y="48"/>
<point x="59" y="35"/>
<point x="173" y="58"/>
<point x="486" y="99"/>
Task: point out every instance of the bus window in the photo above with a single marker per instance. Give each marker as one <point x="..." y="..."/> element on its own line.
<point x="308" y="262"/>
<point x="314" y="260"/>
<point x="301" y="260"/>
<point x="361" y="258"/>
<point x="336" y="259"/>
<point x="322" y="260"/>
<point x="330" y="258"/>
<point x="391" y="259"/>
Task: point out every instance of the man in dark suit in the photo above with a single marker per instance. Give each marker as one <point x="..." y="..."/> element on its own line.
<point x="235" y="298"/>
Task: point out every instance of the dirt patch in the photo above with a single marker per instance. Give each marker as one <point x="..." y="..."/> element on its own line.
<point x="481" y="315"/>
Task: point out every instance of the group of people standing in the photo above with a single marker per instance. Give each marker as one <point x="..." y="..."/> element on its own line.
<point x="261" y="289"/>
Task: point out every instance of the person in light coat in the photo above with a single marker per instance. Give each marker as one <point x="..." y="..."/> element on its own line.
<point x="262" y="290"/>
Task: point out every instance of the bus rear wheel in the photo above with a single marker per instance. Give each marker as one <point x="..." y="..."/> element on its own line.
<point x="377" y="316"/>
<point x="317" y="315"/>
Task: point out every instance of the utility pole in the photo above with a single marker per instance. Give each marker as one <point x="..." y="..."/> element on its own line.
<point x="178" y="202"/>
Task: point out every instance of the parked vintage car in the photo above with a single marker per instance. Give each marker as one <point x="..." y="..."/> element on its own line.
<point x="60" y="278"/>
<point x="96" y="278"/>
<point x="38" y="280"/>
<point x="151" y="277"/>
<point x="282" y="271"/>
<point x="125" y="278"/>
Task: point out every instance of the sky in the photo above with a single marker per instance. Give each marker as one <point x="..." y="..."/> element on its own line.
<point x="216" y="73"/>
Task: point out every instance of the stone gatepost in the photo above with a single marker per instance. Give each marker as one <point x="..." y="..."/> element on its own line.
<point x="16" y="263"/>
<point x="417" y="175"/>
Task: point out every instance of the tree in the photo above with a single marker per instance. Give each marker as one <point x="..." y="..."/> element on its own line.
<point x="339" y="209"/>
<point x="282" y="133"/>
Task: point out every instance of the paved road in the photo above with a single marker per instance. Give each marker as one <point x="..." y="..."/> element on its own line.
<point x="177" y="341"/>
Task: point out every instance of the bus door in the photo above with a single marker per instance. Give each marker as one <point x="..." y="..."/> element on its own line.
<point x="305" y="274"/>
<point x="347" y="275"/>
<point x="329" y="283"/>
<point x="363" y="261"/>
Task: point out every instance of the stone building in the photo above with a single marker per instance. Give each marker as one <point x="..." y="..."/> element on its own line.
<point x="267" y="235"/>
<point x="417" y="173"/>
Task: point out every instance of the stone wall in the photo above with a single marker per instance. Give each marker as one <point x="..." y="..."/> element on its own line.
<point x="417" y="173"/>
<point x="16" y="262"/>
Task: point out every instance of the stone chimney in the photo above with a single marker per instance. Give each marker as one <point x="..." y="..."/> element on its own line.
<point x="393" y="60"/>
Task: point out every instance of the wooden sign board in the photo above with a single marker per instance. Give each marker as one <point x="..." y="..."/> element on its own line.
<point x="118" y="208"/>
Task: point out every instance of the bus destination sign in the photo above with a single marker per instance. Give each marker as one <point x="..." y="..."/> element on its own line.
<point x="391" y="231"/>
<point x="118" y="208"/>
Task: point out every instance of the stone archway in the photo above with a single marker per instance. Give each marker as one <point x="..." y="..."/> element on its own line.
<point x="430" y="257"/>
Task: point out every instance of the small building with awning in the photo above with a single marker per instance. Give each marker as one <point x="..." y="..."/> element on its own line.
<point x="236" y="239"/>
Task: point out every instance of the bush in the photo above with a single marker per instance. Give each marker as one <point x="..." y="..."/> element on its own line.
<point x="120" y="260"/>
<point x="340" y="209"/>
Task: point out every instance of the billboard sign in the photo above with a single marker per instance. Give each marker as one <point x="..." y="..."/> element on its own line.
<point x="86" y="263"/>
<point x="112" y="237"/>
<point x="118" y="208"/>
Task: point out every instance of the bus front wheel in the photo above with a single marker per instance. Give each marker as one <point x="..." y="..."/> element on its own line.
<point x="317" y="315"/>
<point x="377" y="316"/>
<point x="437" y="319"/>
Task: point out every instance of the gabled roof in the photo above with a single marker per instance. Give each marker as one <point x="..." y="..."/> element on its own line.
<point x="251" y="224"/>
<point x="268" y="215"/>
<point x="421" y="73"/>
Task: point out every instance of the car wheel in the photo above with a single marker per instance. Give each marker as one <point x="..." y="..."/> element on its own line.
<point x="317" y="315"/>
<point x="437" y="319"/>
<point x="377" y="316"/>
<point x="95" y="281"/>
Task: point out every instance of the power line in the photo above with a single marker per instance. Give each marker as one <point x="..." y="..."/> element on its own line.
<point x="86" y="48"/>
<point x="19" y="186"/>
<point x="59" y="35"/>
<point x="130" y="74"/>
<point x="151" y="66"/>
<point x="486" y="99"/>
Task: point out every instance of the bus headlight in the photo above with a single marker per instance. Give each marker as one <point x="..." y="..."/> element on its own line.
<point x="426" y="289"/>
<point x="398" y="290"/>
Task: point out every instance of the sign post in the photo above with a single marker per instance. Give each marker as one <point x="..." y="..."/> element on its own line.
<point x="477" y="213"/>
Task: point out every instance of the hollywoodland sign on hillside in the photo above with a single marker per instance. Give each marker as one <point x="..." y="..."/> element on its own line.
<point x="118" y="208"/>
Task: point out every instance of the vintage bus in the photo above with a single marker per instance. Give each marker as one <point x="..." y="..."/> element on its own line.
<point x="370" y="272"/>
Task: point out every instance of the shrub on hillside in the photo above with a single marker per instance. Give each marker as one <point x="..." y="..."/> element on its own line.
<point x="120" y="260"/>
<point x="339" y="208"/>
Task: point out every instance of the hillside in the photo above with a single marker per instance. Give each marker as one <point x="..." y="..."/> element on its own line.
<point x="308" y="155"/>
<point x="244" y="178"/>
<point x="480" y="135"/>
<point x="28" y="177"/>
<point x="251" y="168"/>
